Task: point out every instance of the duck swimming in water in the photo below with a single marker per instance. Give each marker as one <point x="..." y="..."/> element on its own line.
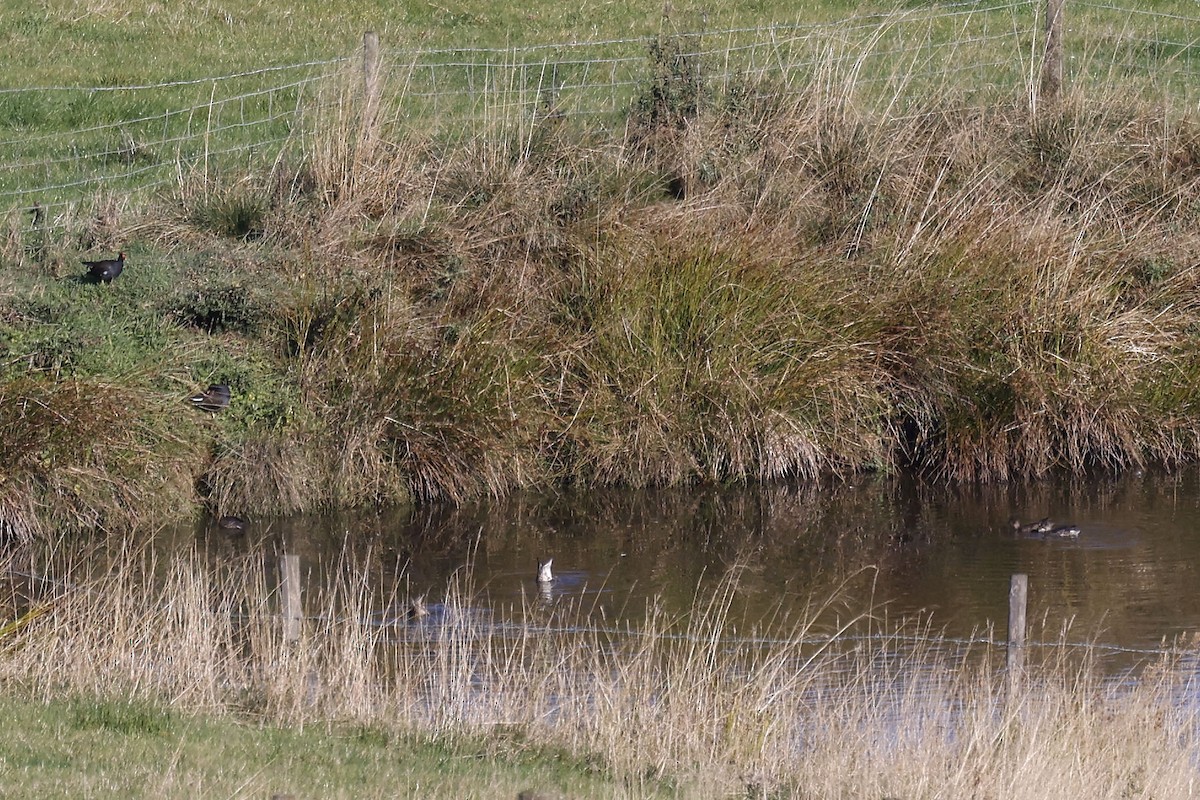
<point x="417" y="608"/>
<point x="545" y="575"/>
<point x="1032" y="529"/>
<point x="231" y="524"/>
<point x="1045" y="529"/>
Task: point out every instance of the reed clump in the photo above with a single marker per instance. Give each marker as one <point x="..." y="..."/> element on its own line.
<point x="749" y="280"/>
<point x="751" y="283"/>
<point x="77" y="454"/>
<point x="793" y="706"/>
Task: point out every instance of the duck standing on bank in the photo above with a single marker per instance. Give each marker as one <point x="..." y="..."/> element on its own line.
<point x="106" y="270"/>
<point x="214" y="398"/>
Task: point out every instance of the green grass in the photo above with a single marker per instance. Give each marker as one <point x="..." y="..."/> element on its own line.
<point x="105" y="42"/>
<point x="61" y="148"/>
<point x="93" y="747"/>
<point x="111" y="42"/>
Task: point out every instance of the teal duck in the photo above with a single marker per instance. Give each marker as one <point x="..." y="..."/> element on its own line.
<point x="545" y="575"/>
<point x="417" y="608"/>
<point x="231" y="524"/>
<point x="106" y="270"/>
<point x="214" y="398"/>
<point x="1063" y="532"/>
<point x="1032" y="529"/>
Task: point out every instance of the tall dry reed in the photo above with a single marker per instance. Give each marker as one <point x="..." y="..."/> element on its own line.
<point x="803" y="709"/>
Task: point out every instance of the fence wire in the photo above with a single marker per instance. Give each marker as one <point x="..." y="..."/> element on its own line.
<point x="913" y="646"/>
<point x="65" y="147"/>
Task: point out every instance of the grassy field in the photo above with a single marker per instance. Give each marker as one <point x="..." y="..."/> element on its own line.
<point x="129" y="686"/>
<point x="115" y="748"/>
<point x="61" y="141"/>
<point x="116" y="42"/>
<point x="172" y="89"/>
<point x="866" y="264"/>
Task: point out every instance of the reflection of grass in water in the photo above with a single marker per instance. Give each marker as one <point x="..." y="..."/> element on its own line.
<point x="650" y="700"/>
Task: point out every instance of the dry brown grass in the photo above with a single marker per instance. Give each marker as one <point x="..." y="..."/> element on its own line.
<point x="990" y="293"/>
<point x="799" y="712"/>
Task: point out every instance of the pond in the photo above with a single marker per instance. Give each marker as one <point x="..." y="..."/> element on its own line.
<point x="891" y="545"/>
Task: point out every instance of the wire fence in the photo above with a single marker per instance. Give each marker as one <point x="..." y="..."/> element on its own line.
<point x="913" y="645"/>
<point x="65" y="147"/>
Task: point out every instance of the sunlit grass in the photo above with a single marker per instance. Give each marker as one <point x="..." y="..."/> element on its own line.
<point x="64" y="141"/>
<point x="123" y="748"/>
<point x="134" y="41"/>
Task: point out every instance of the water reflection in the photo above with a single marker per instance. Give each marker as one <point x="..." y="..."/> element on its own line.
<point x="895" y="544"/>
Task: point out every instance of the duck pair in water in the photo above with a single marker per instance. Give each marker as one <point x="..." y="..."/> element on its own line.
<point x="545" y="577"/>
<point x="1044" y="529"/>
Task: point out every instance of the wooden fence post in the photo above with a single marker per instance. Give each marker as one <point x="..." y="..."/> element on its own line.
<point x="41" y="245"/>
<point x="370" y="73"/>
<point x="289" y="602"/>
<point x="1018" y="597"/>
<point x="1052" y="57"/>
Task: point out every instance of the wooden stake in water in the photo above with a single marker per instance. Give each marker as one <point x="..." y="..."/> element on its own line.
<point x="289" y="597"/>
<point x="1018" y="597"/>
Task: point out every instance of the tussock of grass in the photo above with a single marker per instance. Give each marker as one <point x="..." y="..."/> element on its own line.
<point x="790" y="712"/>
<point x="713" y="364"/>
<point x="77" y="453"/>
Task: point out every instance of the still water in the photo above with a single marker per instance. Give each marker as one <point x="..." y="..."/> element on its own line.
<point x="893" y="545"/>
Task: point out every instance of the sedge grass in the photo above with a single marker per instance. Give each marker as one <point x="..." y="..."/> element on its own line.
<point x="658" y="704"/>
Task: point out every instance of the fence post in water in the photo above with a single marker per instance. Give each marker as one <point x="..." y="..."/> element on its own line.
<point x="1018" y="596"/>
<point x="289" y="591"/>
<point x="1052" y="57"/>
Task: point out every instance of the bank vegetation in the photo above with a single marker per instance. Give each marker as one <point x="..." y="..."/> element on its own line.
<point x="743" y="282"/>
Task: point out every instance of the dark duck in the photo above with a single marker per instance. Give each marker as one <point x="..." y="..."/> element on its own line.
<point x="106" y="270"/>
<point x="214" y="398"/>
